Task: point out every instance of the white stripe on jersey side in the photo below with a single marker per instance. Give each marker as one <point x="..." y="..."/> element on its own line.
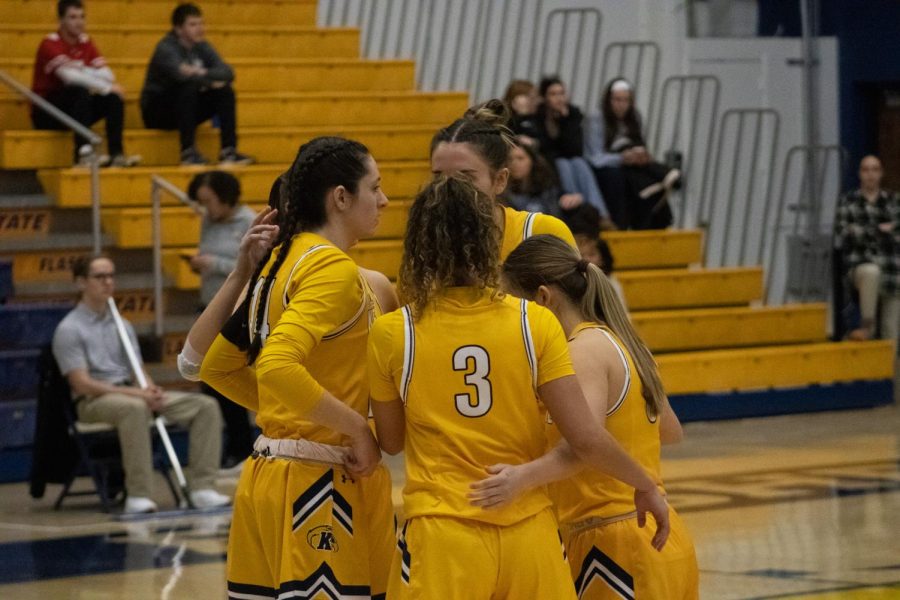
<point x="529" y="226"/>
<point x="243" y="596"/>
<point x="285" y="299"/>
<point x="529" y="344"/>
<point x="409" y="352"/>
<point x="627" y="385"/>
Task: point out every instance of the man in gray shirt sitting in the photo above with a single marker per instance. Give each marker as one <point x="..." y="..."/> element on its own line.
<point x="188" y="83"/>
<point x="91" y="356"/>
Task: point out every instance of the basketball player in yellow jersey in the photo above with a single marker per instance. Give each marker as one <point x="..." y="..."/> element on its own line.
<point x="313" y="515"/>
<point x="477" y="146"/>
<point x="455" y="377"/>
<point x="610" y="555"/>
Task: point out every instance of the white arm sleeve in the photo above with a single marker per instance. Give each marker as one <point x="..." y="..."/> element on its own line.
<point x="85" y="78"/>
<point x="189" y="361"/>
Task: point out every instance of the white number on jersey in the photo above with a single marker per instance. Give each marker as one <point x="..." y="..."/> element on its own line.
<point x="474" y="360"/>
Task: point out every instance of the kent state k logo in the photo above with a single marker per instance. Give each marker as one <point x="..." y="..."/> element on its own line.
<point x="322" y="538"/>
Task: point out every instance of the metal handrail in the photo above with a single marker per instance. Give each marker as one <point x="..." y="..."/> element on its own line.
<point x="158" y="185"/>
<point x="93" y="139"/>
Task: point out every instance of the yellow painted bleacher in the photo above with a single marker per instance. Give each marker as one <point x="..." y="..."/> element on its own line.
<point x="27" y="149"/>
<point x="141" y="12"/>
<point x="295" y="82"/>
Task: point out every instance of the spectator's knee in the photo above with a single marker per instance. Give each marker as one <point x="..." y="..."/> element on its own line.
<point x="866" y="271"/>
<point x="208" y="410"/>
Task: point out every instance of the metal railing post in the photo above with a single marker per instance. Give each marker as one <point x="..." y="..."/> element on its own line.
<point x="158" y="185"/>
<point x="92" y="138"/>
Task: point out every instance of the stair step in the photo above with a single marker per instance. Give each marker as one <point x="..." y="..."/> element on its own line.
<point x="654" y="249"/>
<point x="38" y="264"/>
<point x="27" y="149"/>
<point x="231" y="41"/>
<point x="706" y="328"/>
<point x="266" y="75"/>
<point x="131" y="187"/>
<point x="691" y="288"/>
<point x="141" y="12"/>
<point x="776" y="366"/>
<point x="264" y="109"/>
<point x="24" y="201"/>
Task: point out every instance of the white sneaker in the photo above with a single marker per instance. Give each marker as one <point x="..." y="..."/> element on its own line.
<point x="135" y="505"/>
<point x="209" y="499"/>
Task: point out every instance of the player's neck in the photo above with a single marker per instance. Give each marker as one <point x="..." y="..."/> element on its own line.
<point x="338" y="236"/>
<point x="569" y="317"/>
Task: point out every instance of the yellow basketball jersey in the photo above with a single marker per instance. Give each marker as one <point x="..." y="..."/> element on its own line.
<point x="520" y="225"/>
<point x="317" y="321"/>
<point x="467" y="371"/>
<point x="592" y="494"/>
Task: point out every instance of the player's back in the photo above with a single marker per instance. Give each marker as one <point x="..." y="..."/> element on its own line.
<point x="467" y="380"/>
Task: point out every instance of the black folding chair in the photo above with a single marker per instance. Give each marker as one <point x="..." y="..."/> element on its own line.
<point x="66" y="448"/>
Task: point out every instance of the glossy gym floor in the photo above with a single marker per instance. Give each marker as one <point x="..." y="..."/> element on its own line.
<point x="803" y="506"/>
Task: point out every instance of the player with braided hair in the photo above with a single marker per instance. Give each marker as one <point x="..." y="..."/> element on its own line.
<point x="477" y="146"/>
<point x="313" y="508"/>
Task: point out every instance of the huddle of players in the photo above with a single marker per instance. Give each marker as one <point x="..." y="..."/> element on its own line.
<point x="507" y="339"/>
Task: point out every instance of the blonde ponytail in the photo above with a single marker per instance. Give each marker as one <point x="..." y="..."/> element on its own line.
<point x="547" y="260"/>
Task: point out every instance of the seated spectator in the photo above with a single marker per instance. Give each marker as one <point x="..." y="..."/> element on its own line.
<point x="72" y="75"/>
<point x="522" y="100"/>
<point x="561" y="142"/>
<point x="223" y="226"/>
<point x="90" y="355"/>
<point x="635" y="186"/>
<point x="187" y="83"/>
<point x="867" y="229"/>
<point x="533" y="187"/>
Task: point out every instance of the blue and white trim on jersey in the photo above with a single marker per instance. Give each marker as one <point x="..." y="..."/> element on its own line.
<point x="316" y="496"/>
<point x="405" y="557"/>
<point x="409" y="351"/>
<point x="285" y="299"/>
<point x="529" y="344"/>
<point x="627" y="385"/>
<point x="528" y="228"/>
<point x="597" y="565"/>
<point x="321" y="583"/>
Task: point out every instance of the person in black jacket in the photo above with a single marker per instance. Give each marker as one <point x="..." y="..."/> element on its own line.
<point x="188" y="83"/>
<point x="561" y="142"/>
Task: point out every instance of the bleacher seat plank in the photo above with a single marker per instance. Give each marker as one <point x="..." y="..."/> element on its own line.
<point x="776" y="366"/>
<point x="654" y="249"/>
<point x="131" y="187"/>
<point x="266" y="75"/>
<point x="28" y="149"/>
<point x="141" y="12"/>
<point x="706" y="328"/>
<point x="245" y="41"/>
<point x="685" y="288"/>
<point x="268" y="109"/>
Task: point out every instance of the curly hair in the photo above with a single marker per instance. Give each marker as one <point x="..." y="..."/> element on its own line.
<point x="321" y="164"/>
<point x="451" y="240"/>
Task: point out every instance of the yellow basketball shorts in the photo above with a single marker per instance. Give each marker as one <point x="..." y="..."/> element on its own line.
<point x="444" y="558"/>
<point x="311" y="531"/>
<point x="616" y="561"/>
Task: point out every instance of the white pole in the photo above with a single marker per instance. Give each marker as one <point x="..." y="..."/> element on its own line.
<point x="160" y="424"/>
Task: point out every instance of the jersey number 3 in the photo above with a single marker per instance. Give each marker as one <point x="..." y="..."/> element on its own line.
<point x="476" y="363"/>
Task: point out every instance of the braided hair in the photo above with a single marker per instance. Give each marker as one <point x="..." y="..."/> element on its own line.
<point x="321" y="164"/>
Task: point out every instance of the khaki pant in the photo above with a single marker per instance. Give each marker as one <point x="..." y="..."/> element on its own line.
<point x="867" y="279"/>
<point x="132" y="420"/>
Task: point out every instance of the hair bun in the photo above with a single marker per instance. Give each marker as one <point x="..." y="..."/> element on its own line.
<point x="493" y="112"/>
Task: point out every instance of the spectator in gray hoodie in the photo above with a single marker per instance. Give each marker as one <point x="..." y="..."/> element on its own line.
<point x="188" y="83"/>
